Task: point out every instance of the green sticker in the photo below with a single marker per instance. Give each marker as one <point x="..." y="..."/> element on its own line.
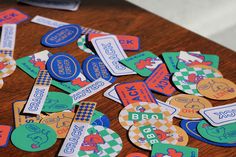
<point x="57" y="102"/>
<point x="149" y="134"/>
<point x="162" y="149"/>
<point x="221" y="134"/>
<point x="33" y="137"/>
<point x="171" y="60"/>
<point x="143" y="63"/>
<point x="138" y="116"/>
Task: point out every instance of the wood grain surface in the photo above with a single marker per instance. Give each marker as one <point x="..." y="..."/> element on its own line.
<point x="118" y="17"/>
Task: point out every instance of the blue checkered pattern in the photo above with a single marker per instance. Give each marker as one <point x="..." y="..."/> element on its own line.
<point x="7" y="52"/>
<point x="43" y="79"/>
<point x="85" y="112"/>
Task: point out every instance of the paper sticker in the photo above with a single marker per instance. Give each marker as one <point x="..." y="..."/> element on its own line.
<point x="89" y="90"/>
<point x="61" y="36"/>
<point x="134" y="92"/>
<point x="143" y="63"/>
<point x="139" y="111"/>
<point x="159" y="81"/>
<point x="5" y="132"/>
<point x="220" y="115"/>
<point x="32" y="64"/>
<point x="186" y="79"/>
<point x="127" y="42"/>
<point x="189" y="105"/>
<point x="163" y="132"/>
<point x="217" y="88"/>
<point x="100" y="119"/>
<point x="81" y="42"/>
<point x="190" y="126"/>
<point x="162" y="150"/>
<point x="136" y="155"/>
<point x="57" y="102"/>
<point x="172" y="109"/>
<point x="171" y="60"/>
<point x="12" y="16"/>
<point x="110" y="52"/>
<point x="7" y="65"/>
<point x="207" y="67"/>
<point x="111" y="94"/>
<point x="93" y="68"/>
<point x="220" y="134"/>
<point x="189" y="58"/>
<point x="39" y="93"/>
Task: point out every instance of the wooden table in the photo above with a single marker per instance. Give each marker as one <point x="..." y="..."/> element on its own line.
<point x="119" y="17"/>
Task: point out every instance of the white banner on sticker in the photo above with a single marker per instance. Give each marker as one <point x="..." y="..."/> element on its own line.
<point x="187" y="57"/>
<point x="112" y="94"/>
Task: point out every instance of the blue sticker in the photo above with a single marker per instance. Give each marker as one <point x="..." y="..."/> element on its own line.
<point x="61" y="36"/>
<point x="102" y="121"/>
<point x="93" y="68"/>
<point x="63" y="67"/>
<point x="190" y="126"/>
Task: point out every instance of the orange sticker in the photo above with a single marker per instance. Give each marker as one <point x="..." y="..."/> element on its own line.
<point x="206" y="67"/>
<point x="189" y="105"/>
<point x="12" y="16"/>
<point x="217" y="88"/>
<point x="5" y="131"/>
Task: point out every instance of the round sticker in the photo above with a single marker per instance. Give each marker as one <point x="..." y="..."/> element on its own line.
<point x="206" y="67"/>
<point x="139" y="111"/>
<point x="217" y="88"/>
<point x="159" y="130"/>
<point x="189" y="105"/>
<point x="187" y="78"/>
<point x="61" y="36"/>
<point x="63" y="67"/>
<point x="220" y="134"/>
<point x="136" y="155"/>
<point x="82" y="44"/>
<point x="99" y="118"/>
<point x="1" y="83"/>
<point x="93" y="68"/>
<point x="7" y="65"/>
<point x="100" y="141"/>
<point x="57" y="101"/>
<point x="33" y="137"/>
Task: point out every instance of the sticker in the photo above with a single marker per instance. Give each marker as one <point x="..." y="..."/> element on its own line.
<point x="57" y="102"/>
<point x="136" y="155"/>
<point x="93" y="68"/>
<point x="61" y="36"/>
<point x="217" y="88"/>
<point x="220" y="115"/>
<point x="7" y="65"/>
<point x="143" y="63"/>
<point x="21" y="118"/>
<point x="33" y="137"/>
<point x="63" y="66"/>
<point x="189" y="105"/>
<point x="162" y="150"/>
<point x="190" y="57"/>
<point x="12" y="16"/>
<point x="81" y="42"/>
<point x="186" y="79"/>
<point x="134" y="92"/>
<point x="5" y="132"/>
<point x="191" y="128"/>
<point x="78" y="129"/>
<point x="100" y="142"/>
<point x="171" y="60"/>
<point x="164" y="131"/>
<point x="89" y="90"/>
<point x="111" y="94"/>
<point x="110" y="52"/>
<point x="39" y="93"/>
<point x="207" y="67"/>
<point x="159" y="81"/>
<point x="32" y="64"/>
<point x="172" y="109"/>
<point x="139" y="111"/>
<point x="127" y="42"/>
<point x="99" y="118"/>
<point x="1" y="83"/>
<point x="220" y="134"/>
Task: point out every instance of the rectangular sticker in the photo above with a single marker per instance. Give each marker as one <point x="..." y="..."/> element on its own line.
<point x="134" y="92"/>
<point x="12" y="16"/>
<point x="110" y="52"/>
<point x="39" y="93"/>
<point x="111" y="94"/>
<point x="220" y="115"/>
<point x="149" y="134"/>
<point x="172" y="109"/>
<point x="5" y="132"/>
<point x="89" y="90"/>
<point x="171" y="59"/>
<point x="159" y="81"/>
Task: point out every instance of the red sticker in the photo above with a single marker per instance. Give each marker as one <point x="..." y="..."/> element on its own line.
<point x="12" y="16"/>
<point x="134" y="92"/>
<point x="159" y="81"/>
<point x="127" y="42"/>
<point x="5" y="131"/>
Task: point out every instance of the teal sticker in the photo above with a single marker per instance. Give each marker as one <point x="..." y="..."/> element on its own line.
<point x="149" y="134"/>
<point x="220" y="134"/>
<point x="57" y="102"/>
<point x="33" y="137"/>
<point x="171" y="60"/>
<point x="162" y="150"/>
<point x="138" y="116"/>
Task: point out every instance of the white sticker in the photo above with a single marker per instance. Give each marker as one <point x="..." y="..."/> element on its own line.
<point x="111" y="94"/>
<point x="172" y="109"/>
<point x="187" y="57"/>
<point x="89" y="90"/>
<point x="111" y="52"/>
<point x="220" y="115"/>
